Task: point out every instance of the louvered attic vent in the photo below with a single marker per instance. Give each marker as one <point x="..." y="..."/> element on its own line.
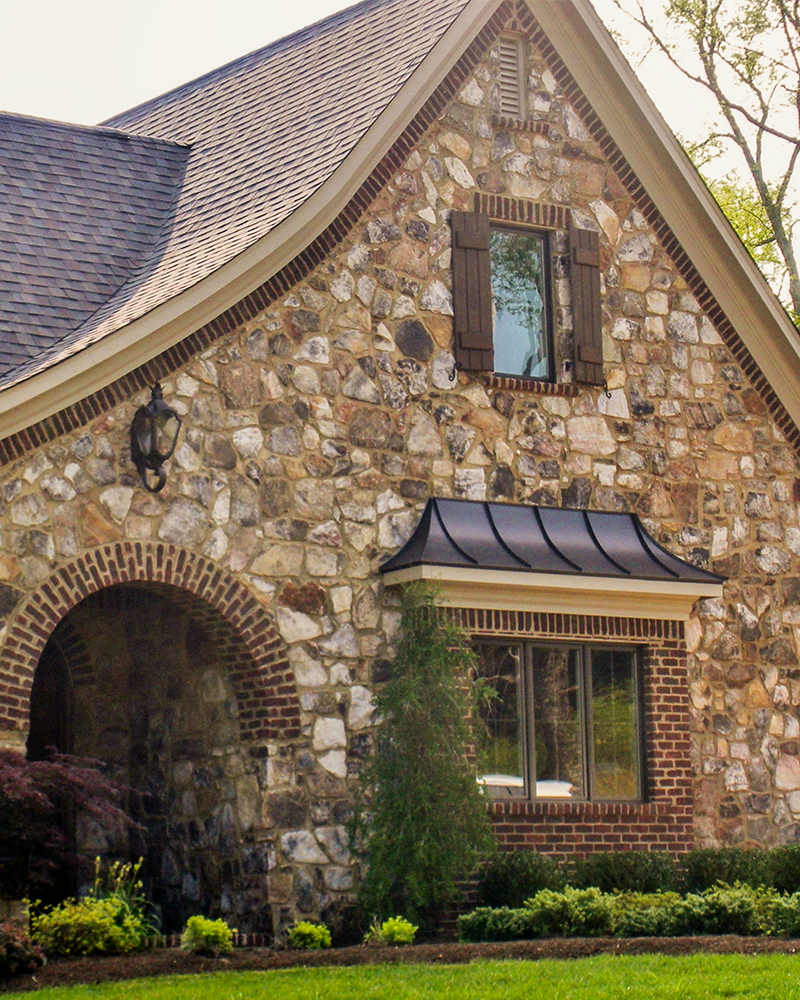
<point x="512" y="78"/>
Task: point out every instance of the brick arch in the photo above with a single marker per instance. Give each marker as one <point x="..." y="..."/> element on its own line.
<point x="240" y="628"/>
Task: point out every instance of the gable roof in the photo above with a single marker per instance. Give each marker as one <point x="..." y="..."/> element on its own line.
<point x="359" y="79"/>
<point x="265" y="131"/>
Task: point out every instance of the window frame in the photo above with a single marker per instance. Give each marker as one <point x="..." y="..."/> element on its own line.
<point x="546" y="237"/>
<point x="526" y="720"/>
<point x="473" y="326"/>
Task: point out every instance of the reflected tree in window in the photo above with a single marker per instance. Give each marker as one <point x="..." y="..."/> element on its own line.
<point x="557" y="721"/>
<point x="498" y="739"/>
<point x="519" y="298"/>
<point x="614" y="725"/>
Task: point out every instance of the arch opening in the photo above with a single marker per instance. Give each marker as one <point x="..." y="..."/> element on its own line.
<point x="151" y="680"/>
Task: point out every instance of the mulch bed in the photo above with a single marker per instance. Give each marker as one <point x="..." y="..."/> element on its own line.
<point x="171" y="961"/>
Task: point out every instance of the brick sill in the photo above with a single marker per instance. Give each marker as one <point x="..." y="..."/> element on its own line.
<point x="531" y="385"/>
<point x="598" y="810"/>
<point x="540" y="126"/>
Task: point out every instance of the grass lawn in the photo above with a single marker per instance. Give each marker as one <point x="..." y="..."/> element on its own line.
<point x="606" y="977"/>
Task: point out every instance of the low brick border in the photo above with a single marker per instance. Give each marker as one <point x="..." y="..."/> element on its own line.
<point x="248" y="641"/>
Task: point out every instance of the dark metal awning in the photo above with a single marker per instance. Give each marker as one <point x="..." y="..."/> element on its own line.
<point x="517" y="552"/>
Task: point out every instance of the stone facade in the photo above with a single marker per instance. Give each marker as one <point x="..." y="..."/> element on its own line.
<point x="314" y="432"/>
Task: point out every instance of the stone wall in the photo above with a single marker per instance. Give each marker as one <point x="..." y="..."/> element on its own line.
<point x="314" y="432"/>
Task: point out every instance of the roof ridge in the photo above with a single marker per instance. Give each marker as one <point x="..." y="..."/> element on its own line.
<point x="220" y="72"/>
<point x="99" y="130"/>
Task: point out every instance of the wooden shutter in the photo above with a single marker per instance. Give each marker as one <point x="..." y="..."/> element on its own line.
<point x="584" y="266"/>
<point x="472" y="291"/>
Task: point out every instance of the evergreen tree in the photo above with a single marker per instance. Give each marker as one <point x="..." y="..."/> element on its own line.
<point x="426" y="821"/>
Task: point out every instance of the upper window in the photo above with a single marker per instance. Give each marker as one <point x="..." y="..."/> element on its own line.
<point x="559" y="721"/>
<point x="502" y="308"/>
<point x="521" y="303"/>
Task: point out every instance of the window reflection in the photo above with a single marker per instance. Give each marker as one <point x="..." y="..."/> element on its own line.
<point x="498" y="736"/>
<point x="614" y="725"/>
<point x="518" y="264"/>
<point x="558" y="721"/>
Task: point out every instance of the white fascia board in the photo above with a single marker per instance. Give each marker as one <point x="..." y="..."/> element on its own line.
<point x="509" y="590"/>
<point x="648" y="144"/>
<point x="119" y="353"/>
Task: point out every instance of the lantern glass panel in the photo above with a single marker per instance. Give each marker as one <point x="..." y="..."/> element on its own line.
<point x="143" y="429"/>
<point x="166" y="426"/>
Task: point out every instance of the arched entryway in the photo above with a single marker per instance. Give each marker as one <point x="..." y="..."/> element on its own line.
<point x="132" y="676"/>
<point x="177" y="696"/>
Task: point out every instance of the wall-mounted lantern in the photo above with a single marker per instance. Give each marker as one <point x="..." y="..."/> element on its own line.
<point x="154" y="434"/>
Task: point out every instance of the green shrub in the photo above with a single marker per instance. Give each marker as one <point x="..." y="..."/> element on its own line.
<point x="727" y="909"/>
<point x="488" y="923"/>
<point x="395" y="930"/>
<point x="640" y="914"/>
<point x="703" y="869"/>
<point x="626" y="871"/>
<point x="207" y="937"/>
<point x="573" y="912"/>
<point x="304" y="934"/>
<point x="786" y="916"/>
<point x="723" y="909"/>
<point x="785" y="867"/>
<point x="511" y="877"/>
<point x="86" y="926"/>
<point x="113" y="917"/>
<point x="17" y="952"/>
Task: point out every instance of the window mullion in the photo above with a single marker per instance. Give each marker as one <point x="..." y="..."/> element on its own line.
<point x="528" y="695"/>
<point x="587" y="720"/>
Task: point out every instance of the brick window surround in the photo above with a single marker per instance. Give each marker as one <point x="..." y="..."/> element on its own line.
<point x="242" y="630"/>
<point x="664" y="821"/>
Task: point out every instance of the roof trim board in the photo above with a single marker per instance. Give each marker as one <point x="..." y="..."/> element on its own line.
<point x="504" y="590"/>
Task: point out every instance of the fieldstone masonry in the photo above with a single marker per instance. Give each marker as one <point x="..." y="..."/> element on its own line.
<point x="314" y="433"/>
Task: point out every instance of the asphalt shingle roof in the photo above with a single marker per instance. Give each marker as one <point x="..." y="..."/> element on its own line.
<point x="81" y="210"/>
<point x="145" y="218"/>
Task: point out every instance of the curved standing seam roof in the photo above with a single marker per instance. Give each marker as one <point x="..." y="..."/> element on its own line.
<point x="475" y="534"/>
<point x="266" y="131"/>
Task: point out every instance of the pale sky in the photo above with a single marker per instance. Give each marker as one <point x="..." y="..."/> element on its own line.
<point x="85" y="60"/>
